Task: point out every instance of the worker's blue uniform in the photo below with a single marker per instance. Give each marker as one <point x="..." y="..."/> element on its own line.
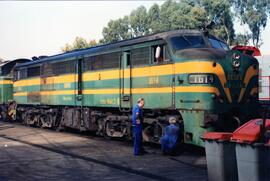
<point x="169" y="139"/>
<point x="137" y="129"/>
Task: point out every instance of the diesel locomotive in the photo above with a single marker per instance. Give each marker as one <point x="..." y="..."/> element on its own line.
<point x="6" y="85"/>
<point x="188" y="74"/>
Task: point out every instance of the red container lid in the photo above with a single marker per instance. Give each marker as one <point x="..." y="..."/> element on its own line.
<point x="217" y="136"/>
<point x="255" y="51"/>
<point x="249" y="132"/>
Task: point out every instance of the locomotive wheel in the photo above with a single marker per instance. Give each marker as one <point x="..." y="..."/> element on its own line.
<point x="3" y="116"/>
<point x="152" y="132"/>
<point x="45" y="121"/>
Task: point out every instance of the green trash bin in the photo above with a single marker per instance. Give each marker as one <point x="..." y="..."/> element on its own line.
<point x="220" y="156"/>
<point x="253" y="158"/>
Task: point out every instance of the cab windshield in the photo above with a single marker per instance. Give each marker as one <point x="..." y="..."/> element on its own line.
<point x="218" y="44"/>
<point x="185" y="42"/>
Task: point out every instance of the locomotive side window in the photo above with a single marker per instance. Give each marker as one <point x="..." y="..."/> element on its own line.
<point x="128" y="58"/>
<point x="140" y="56"/>
<point x="87" y="64"/>
<point x="79" y="64"/>
<point x="21" y="74"/>
<point x="96" y="63"/>
<point x="16" y="75"/>
<point x="47" y="70"/>
<point x="104" y="61"/>
<point x="159" y="54"/>
<point x="111" y="60"/>
<point x="185" y="42"/>
<point x="33" y="71"/>
<point x="65" y="67"/>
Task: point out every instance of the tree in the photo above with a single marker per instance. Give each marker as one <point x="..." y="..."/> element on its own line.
<point x="79" y="43"/>
<point x="242" y="39"/>
<point x="220" y="12"/>
<point x="154" y="19"/>
<point x="168" y="15"/>
<point x="116" y="30"/>
<point x="192" y="14"/>
<point x="254" y="14"/>
<point x="139" y="22"/>
<point x="172" y="15"/>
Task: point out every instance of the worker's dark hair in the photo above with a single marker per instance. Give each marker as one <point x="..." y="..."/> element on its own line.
<point x="140" y="100"/>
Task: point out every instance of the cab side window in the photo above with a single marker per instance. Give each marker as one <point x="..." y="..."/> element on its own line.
<point x="140" y="56"/>
<point x="159" y="54"/>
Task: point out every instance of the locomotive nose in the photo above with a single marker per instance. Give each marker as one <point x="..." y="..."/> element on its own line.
<point x="242" y="76"/>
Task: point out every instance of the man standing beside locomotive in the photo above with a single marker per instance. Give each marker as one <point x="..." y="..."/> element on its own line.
<point x="137" y="122"/>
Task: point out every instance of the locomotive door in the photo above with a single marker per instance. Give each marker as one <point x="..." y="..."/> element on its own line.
<point x="125" y="100"/>
<point x="79" y="96"/>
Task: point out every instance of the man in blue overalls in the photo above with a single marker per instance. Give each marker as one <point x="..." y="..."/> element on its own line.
<point x="137" y="122"/>
<point x="170" y="138"/>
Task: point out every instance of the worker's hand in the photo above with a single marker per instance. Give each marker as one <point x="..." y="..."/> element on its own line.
<point x="138" y="121"/>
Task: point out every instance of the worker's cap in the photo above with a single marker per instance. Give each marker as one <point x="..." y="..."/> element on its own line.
<point x="140" y="100"/>
<point x="172" y="120"/>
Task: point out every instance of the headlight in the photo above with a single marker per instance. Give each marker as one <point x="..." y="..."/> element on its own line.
<point x="236" y="56"/>
<point x="200" y="79"/>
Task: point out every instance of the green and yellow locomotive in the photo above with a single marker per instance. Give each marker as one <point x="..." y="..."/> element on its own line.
<point x="188" y="74"/>
<point x="6" y="85"/>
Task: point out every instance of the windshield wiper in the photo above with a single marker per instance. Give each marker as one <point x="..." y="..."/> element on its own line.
<point x="185" y="38"/>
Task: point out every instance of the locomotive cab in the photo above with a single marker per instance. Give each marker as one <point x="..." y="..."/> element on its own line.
<point x="218" y="88"/>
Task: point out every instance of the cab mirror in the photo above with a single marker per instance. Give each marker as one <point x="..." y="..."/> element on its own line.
<point x="158" y="51"/>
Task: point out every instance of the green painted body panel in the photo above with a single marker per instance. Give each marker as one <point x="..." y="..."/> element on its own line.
<point x="101" y="100"/>
<point x="137" y="82"/>
<point x="58" y="100"/>
<point x="21" y="99"/>
<point x="101" y="84"/>
<point x="153" y="101"/>
<point x="32" y="88"/>
<point x="48" y="100"/>
<point x="6" y="90"/>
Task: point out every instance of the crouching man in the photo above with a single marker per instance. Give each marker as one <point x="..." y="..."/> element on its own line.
<point x="170" y="138"/>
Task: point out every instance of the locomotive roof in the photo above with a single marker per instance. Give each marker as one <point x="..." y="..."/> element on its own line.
<point x="118" y="44"/>
<point x="7" y="66"/>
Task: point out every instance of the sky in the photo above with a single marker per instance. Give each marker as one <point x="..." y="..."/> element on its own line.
<point x="41" y="28"/>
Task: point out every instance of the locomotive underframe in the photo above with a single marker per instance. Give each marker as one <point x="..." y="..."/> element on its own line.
<point x="106" y="122"/>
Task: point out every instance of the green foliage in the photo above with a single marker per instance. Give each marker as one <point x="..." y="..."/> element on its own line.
<point x="154" y="19"/>
<point x="139" y="22"/>
<point x="172" y="15"/>
<point x="116" y="30"/>
<point x="182" y="15"/>
<point x="188" y="14"/>
<point x="78" y="43"/>
<point x="219" y="11"/>
<point x="242" y="39"/>
<point x="254" y="13"/>
<point x="168" y="15"/>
